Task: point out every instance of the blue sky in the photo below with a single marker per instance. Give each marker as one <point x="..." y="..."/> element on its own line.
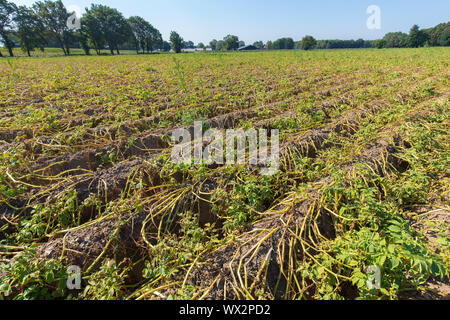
<point x="251" y="20"/>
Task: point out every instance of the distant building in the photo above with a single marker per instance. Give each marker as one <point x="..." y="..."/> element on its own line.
<point x="247" y="48"/>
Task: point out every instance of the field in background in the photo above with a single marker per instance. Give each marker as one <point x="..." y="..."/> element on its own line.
<point x="87" y="180"/>
<point x="57" y="52"/>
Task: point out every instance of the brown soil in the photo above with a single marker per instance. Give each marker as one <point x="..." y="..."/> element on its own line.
<point x="84" y="246"/>
<point x="90" y="159"/>
<point x="263" y="256"/>
<point x="434" y="289"/>
<point x="10" y="135"/>
<point x="314" y="141"/>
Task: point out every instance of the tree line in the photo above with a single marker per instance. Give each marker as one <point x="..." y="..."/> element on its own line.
<point x="45" y="24"/>
<point x="437" y="36"/>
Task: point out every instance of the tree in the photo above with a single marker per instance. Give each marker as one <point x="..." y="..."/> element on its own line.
<point x="201" y="46"/>
<point x="282" y="44"/>
<point x="417" y="38"/>
<point x="157" y="38"/>
<point x="220" y="45"/>
<point x="30" y="30"/>
<point x="213" y="44"/>
<point x="176" y="42"/>
<point x="358" y="43"/>
<point x="54" y="16"/>
<point x="106" y="25"/>
<point x="152" y="38"/>
<point x="258" y="45"/>
<point x="188" y="45"/>
<point x="308" y="43"/>
<point x="396" y="40"/>
<point x="341" y="44"/>
<point x="117" y="29"/>
<point x="138" y="27"/>
<point x="91" y="26"/>
<point x="241" y="43"/>
<point x="83" y="39"/>
<point x="7" y="11"/>
<point x="380" y="44"/>
<point x="231" y="42"/>
<point x="269" y="45"/>
<point x="289" y="43"/>
<point x="444" y="38"/>
<point x="165" y="46"/>
<point x="436" y="33"/>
